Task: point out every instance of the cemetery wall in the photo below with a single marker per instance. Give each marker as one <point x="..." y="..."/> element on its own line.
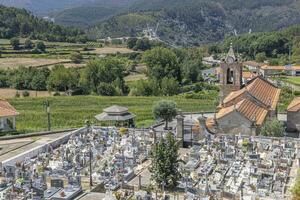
<point x="40" y="149"/>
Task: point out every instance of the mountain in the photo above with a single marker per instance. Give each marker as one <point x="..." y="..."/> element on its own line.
<point x="90" y="14"/>
<point x="194" y="22"/>
<point x="16" y="22"/>
<point x="44" y="7"/>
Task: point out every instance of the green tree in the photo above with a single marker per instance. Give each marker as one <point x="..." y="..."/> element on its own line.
<point x="131" y="42"/>
<point x="148" y="87"/>
<point x="169" y="86"/>
<point x="15" y="43"/>
<point x="260" y="57"/>
<point x="76" y="57"/>
<point x="165" y="162"/>
<point x="162" y="62"/>
<point x="39" y="80"/>
<point x="272" y="128"/>
<point x="62" y="78"/>
<point x="40" y="46"/>
<point x="165" y="110"/>
<point x="28" y="44"/>
<point x="106" y="89"/>
<point x="106" y="70"/>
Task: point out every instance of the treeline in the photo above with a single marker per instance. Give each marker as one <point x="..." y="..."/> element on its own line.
<point x="270" y="46"/>
<point x="169" y="72"/>
<point x="103" y="77"/>
<point x="16" y="22"/>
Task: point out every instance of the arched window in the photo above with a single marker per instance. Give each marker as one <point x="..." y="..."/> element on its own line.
<point x="230" y="76"/>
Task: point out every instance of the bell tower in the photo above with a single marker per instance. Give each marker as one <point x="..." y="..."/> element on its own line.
<point x="231" y="74"/>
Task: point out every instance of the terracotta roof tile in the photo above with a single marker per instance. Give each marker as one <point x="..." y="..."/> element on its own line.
<point x="294" y="105"/>
<point x="248" y="109"/>
<point x="259" y="89"/>
<point x="264" y="91"/>
<point x="7" y="110"/>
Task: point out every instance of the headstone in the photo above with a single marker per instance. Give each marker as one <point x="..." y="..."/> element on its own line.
<point x="57" y="183"/>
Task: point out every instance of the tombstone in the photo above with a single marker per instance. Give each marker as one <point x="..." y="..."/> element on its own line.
<point x="10" y="171"/>
<point x="57" y="183"/>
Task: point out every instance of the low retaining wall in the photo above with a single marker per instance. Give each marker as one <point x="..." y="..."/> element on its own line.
<point x="40" y="149"/>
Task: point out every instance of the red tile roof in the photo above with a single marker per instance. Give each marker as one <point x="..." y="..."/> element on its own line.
<point x="7" y="110"/>
<point x="260" y="89"/>
<point x="294" y="105"/>
<point x="247" y="109"/>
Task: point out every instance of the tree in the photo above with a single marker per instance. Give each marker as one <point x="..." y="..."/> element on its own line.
<point x="165" y="110"/>
<point x="131" y="42"/>
<point x="162" y="62"/>
<point x="40" y="46"/>
<point x="106" y="89"/>
<point x="169" y="86"/>
<point x="76" y="57"/>
<point x="39" y="80"/>
<point x="106" y="70"/>
<point x="62" y="78"/>
<point x="15" y="43"/>
<point x="165" y="162"/>
<point x="261" y="57"/>
<point x="272" y="128"/>
<point x="28" y="44"/>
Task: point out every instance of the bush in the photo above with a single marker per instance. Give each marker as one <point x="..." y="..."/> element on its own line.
<point x="76" y="58"/>
<point x="40" y="46"/>
<point x="56" y="94"/>
<point x="106" y="89"/>
<point x="25" y="93"/>
<point x="28" y="44"/>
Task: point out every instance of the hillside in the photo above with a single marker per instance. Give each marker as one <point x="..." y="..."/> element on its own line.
<point x="44" y="7"/>
<point x="192" y="22"/>
<point x="20" y="23"/>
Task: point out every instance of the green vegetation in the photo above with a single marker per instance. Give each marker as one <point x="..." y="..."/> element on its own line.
<point x="165" y="110"/>
<point x="293" y="80"/>
<point x="20" y="23"/>
<point x="272" y="128"/>
<point x="286" y="97"/>
<point x="70" y="112"/>
<point x="296" y="188"/>
<point x="194" y="22"/>
<point x="165" y="163"/>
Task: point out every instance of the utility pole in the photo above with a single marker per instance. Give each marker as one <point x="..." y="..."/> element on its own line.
<point x="47" y="107"/>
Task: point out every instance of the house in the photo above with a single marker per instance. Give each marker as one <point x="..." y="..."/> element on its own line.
<point x="8" y="116"/>
<point x="289" y="70"/>
<point x="293" y="115"/>
<point x="210" y="61"/>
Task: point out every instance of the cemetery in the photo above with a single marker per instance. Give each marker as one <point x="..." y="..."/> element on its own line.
<point x="101" y="162"/>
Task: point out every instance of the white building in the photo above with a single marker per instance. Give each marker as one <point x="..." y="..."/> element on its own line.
<point x="8" y="116"/>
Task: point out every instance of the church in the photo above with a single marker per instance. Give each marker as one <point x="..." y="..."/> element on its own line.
<point x="244" y="107"/>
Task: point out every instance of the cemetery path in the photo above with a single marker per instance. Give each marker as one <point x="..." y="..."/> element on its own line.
<point x="18" y="146"/>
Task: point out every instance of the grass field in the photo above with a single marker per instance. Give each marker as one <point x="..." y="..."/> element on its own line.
<point x="293" y="80"/>
<point x="69" y="112"/>
<point x="26" y="62"/>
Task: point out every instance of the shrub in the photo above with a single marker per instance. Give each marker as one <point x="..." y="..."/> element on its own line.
<point x="106" y="89"/>
<point x="56" y="94"/>
<point x="25" y="93"/>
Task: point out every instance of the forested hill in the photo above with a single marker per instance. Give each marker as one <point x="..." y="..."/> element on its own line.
<point x="16" y="22"/>
<point x="192" y="22"/>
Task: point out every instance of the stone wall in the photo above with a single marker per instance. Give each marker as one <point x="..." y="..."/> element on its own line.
<point x="234" y="123"/>
<point x="293" y="118"/>
<point x="40" y="149"/>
